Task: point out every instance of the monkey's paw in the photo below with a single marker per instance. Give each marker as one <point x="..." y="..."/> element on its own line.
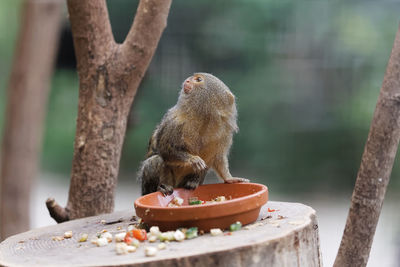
<point x="198" y="164"/>
<point x="236" y="180"/>
<point x="165" y="189"/>
<point x="191" y="185"/>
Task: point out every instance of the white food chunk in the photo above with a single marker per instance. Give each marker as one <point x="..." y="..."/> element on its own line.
<point x="162" y="246"/>
<point x="220" y="199"/>
<point x="121" y="248"/>
<point x="102" y="241"/>
<point x="68" y="234"/>
<point x="135" y="242"/>
<point x="58" y="238"/>
<point x="108" y="236"/>
<point x="154" y="230"/>
<point x="177" y="201"/>
<point x="167" y="236"/>
<point x="120" y="237"/>
<point x="152" y="238"/>
<point x="150" y="251"/>
<point x="179" y="235"/>
<point x="131" y="248"/>
<point x="216" y="232"/>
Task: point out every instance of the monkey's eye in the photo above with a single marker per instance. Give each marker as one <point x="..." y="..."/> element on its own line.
<point x="198" y="79"/>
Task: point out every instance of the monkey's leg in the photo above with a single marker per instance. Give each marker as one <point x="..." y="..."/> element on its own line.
<point x="149" y="174"/>
<point x="193" y="180"/>
<point x="178" y="156"/>
<point x="220" y="165"/>
<point x="186" y="159"/>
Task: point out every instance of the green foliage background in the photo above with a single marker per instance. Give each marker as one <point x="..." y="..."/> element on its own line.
<point x="306" y="75"/>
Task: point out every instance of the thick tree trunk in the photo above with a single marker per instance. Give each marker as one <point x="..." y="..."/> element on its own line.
<point x="27" y="96"/>
<point x="109" y="75"/>
<point x="376" y="167"/>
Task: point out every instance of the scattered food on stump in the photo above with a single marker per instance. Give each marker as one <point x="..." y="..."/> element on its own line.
<point x="126" y="243"/>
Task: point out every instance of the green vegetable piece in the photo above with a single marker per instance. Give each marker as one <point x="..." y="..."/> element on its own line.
<point x="191" y="233"/>
<point x="195" y="202"/>
<point x="166" y="236"/>
<point x="235" y="226"/>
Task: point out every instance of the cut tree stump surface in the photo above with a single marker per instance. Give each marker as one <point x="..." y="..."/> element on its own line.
<point x="286" y="237"/>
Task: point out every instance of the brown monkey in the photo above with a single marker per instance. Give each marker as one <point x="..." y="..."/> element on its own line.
<point x="193" y="136"/>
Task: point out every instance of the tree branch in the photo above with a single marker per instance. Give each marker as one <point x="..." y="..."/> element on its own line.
<point x="91" y="30"/>
<point x="144" y="35"/>
<point x="376" y="167"/>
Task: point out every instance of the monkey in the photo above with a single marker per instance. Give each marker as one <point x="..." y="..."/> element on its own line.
<point x="192" y="137"/>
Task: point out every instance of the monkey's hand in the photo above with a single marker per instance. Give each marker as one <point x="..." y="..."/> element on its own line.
<point x="165" y="189"/>
<point x="233" y="180"/>
<point x="197" y="163"/>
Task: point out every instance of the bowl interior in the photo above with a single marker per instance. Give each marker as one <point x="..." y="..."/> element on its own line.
<point x="203" y="192"/>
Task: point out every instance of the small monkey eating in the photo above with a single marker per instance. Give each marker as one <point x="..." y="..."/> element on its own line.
<point x="193" y="136"/>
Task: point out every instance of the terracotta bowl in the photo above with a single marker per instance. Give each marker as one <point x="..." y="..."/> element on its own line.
<point x="244" y="201"/>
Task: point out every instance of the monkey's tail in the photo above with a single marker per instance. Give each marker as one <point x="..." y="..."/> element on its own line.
<point x="149" y="173"/>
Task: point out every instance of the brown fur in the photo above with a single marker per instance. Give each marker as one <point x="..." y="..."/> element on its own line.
<point x="193" y="136"/>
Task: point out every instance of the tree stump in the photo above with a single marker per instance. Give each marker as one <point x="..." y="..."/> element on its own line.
<point x="287" y="236"/>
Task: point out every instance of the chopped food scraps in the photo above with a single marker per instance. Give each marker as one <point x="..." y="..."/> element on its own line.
<point x="152" y="238"/>
<point x="108" y="236"/>
<point x="57" y="238"/>
<point x="120" y="237"/>
<point x="68" y="234"/>
<point x="123" y="248"/>
<point x="195" y="201"/>
<point x="220" y="199"/>
<point x="216" y="232"/>
<point x="162" y="246"/>
<point x="150" y="251"/>
<point x="154" y="230"/>
<point x="129" y="241"/>
<point x="179" y="235"/>
<point x="176" y="202"/>
<point x="102" y="241"/>
<point x="235" y="226"/>
<point x="83" y="238"/>
<point x="191" y="233"/>
<point x="272" y="210"/>
<point x="167" y="236"/>
<point x="139" y="234"/>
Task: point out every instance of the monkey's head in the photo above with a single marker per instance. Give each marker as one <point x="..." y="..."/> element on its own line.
<point x="205" y="94"/>
<point x="205" y="88"/>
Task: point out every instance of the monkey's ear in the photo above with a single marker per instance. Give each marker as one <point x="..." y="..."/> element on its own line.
<point x="231" y="98"/>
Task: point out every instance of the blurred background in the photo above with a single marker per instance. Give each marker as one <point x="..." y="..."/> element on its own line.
<point x="306" y="75"/>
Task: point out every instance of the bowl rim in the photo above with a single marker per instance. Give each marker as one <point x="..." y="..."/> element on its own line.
<point x="221" y="208"/>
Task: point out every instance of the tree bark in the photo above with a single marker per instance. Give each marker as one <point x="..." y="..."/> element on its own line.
<point x="109" y="74"/>
<point x="376" y="167"/>
<point x="28" y="91"/>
